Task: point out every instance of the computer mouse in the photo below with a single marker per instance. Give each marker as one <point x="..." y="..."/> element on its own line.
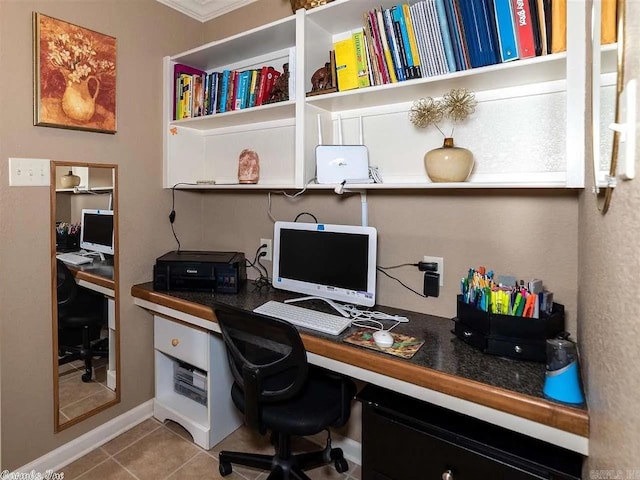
<point x="383" y="338"/>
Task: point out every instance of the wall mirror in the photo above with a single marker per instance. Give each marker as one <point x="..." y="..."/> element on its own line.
<point x="85" y="306"/>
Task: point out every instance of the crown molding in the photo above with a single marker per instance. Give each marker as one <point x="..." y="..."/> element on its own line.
<point x="205" y="10"/>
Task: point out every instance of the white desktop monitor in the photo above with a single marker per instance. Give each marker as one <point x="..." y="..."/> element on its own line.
<point x="330" y="261"/>
<point x="96" y="231"/>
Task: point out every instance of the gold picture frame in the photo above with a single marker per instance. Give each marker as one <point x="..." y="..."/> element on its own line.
<point x="74" y="76"/>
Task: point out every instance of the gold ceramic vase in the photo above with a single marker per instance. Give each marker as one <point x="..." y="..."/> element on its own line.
<point x="448" y="163"/>
<point x="77" y="102"/>
<point x="69" y="180"/>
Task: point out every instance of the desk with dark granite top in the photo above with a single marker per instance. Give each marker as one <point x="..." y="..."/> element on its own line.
<point x="445" y="371"/>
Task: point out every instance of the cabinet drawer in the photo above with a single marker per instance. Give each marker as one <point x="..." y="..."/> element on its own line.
<point x="182" y="342"/>
<point x="400" y="452"/>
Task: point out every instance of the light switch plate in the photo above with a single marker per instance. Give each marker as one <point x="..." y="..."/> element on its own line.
<point x="29" y="172"/>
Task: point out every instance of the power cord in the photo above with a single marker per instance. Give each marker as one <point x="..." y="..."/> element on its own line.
<point x="287" y="195"/>
<point x="263" y="279"/>
<point x="371" y="315"/>
<point x="382" y="270"/>
<point x="315" y="219"/>
<point x="172" y="214"/>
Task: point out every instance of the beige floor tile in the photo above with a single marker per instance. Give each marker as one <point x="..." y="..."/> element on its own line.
<point x="73" y="389"/>
<point x="127" y="438"/>
<point x="244" y="439"/>
<point x="80" y="466"/>
<point x="202" y="467"/>
<point x="102" y="396"/>
<point x="157" y="455"/>
<point x="107" y="470"/>
<point x="355" y="471"/>
<point x="327" y="472"/>
<point x="179" y="429"/>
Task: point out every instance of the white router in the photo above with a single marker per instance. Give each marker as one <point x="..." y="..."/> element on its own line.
<point x="339" y="164"/>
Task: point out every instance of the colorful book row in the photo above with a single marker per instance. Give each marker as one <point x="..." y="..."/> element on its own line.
<point x="435" y="37"/>
<point x="198" y="93"/>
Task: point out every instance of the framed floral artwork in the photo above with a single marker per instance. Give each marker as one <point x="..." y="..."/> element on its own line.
<point x="74" y="76"/>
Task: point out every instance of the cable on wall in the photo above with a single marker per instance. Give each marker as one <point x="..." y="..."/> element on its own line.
<point x="172" y="214"/>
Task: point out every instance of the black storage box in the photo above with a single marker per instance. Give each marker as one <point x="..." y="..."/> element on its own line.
<point x="67" y="242"/>
<point x="507" y="335"/>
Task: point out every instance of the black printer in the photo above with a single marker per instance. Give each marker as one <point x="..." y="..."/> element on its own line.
<point x="200" y="271"/>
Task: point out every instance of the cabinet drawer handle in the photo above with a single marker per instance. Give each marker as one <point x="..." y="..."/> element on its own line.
<point x="467" y="333"/>
<point x="448" y="475"/>
<point x="518" y="349"/>
<point x="175" y="342"/>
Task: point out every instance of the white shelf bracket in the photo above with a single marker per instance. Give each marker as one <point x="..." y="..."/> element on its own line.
<point x="627" y="130"/>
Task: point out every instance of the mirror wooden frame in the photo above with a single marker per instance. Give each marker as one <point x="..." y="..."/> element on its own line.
<point x="105" y="283"/>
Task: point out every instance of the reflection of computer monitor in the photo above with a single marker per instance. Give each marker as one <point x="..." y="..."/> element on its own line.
<point x="96" y="232"/>
<point x="329" y="261"/>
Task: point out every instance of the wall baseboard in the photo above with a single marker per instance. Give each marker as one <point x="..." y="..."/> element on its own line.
<point x="56" y="459"/>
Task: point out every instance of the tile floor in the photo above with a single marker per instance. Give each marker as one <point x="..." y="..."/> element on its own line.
<point x="76" y="397"/>
<point x="152" y="450"/>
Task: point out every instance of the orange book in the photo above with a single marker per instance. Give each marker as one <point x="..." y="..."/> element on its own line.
<point x="558" y="26"/>
<point x="608" y="19"/>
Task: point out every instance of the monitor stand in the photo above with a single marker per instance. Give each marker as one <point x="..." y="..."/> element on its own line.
<point x="95" y="254"/>
<point x="335" y="305"/>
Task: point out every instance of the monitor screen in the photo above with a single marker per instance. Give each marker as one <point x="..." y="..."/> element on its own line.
<point x="330" y="261"/>
<point x="96" y="231"/>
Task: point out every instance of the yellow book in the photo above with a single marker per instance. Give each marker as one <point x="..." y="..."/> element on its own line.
<point x="412" y="39"/>
<point x="608" y="21"/>
<point x="558" y="26"/>
<point x="361" y="58"/>
<point x="346" y="64"/>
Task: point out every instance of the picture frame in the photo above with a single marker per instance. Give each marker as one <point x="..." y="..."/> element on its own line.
<point x="74" y="76"/>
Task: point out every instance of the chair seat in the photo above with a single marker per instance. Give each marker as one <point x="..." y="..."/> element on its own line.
<point x="318" y="405"/>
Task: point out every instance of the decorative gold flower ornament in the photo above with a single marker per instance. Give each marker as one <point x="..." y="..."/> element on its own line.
<point x="455" y="105"/>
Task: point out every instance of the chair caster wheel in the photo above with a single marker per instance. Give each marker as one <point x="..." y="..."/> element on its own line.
<point x="86" y="377"/>
<point x="341" y="465"/>
<point x="224" y="468"/>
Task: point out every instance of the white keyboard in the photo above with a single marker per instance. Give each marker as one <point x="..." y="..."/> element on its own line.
<point x="73" y="258"/>
<point x="304" y="317"/>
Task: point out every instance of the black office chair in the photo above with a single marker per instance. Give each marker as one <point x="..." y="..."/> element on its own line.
<point x="82" y="314"/>
<point x="277" y="391"/>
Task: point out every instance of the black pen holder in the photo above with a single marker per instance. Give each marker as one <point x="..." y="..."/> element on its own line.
<point x="508" y="335"/>
<point x="67" y="242"/>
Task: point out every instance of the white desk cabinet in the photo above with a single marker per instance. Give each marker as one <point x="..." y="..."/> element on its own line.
<point x="208" y="424"/>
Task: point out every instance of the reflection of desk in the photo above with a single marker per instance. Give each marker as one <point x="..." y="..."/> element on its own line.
<point x="99" y="276"/>
<point x="445" y="371"/>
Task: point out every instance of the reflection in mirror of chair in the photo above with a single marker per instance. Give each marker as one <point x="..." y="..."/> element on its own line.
<point x="85" y="304"/>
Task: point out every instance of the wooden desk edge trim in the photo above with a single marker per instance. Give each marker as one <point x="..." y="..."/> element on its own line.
<point x="562" y="417"/>
<point x="95" y="279"/>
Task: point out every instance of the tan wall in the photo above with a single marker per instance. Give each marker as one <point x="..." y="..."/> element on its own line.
<point x="535" y="237"/>
<point x="609" y="310"/>
<point x="146" y="31"/>
<point x="531" y="233"/>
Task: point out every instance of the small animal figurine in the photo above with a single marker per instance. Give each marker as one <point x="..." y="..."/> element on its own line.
<point x="280" y="90"/>
<point x="321" y="78"/>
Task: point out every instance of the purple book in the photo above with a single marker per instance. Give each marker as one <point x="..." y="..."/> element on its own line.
<point x="179" y="69"/>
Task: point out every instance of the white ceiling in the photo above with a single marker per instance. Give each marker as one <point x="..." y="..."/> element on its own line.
<point x="205" y="10"/>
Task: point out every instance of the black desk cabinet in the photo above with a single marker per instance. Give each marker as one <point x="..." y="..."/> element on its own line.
<point x="406" y="439"/>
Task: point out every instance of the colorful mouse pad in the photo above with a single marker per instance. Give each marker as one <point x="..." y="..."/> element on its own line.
<point x="403" y="346"/>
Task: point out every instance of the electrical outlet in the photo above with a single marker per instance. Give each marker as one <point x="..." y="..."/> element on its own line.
<point x="29" y="172"/>
<point x="268" y="249"/>
<point x="440" y="262"/>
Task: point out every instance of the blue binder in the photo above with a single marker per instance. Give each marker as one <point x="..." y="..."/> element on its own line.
<point x="507" y="36"/>
<point x="446" y="36"/>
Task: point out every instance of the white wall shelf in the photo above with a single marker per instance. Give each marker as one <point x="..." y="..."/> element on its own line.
<point x="528" y="130"/>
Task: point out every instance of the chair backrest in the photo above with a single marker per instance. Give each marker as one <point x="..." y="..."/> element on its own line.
<point x="67" y="289"/>
<point x="267" y="358"/>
